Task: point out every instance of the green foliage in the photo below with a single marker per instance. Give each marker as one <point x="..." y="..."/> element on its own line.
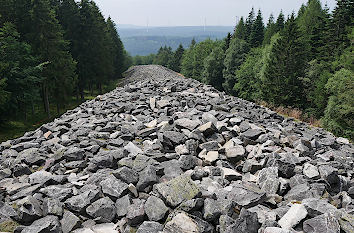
<point x="339" y="113"/>
<point x="281" y="84"/>
<point x="248" y="76"/>
<point x="257" y="32"/>
<point x="234" y="57"/>
<point x="240" y="30"/>
<point x="193" y="58"/>
<point x="163" y="56"/>
<point x="176" y="59"/>
<point x="18" y="72"/>
<point x="270" y="30"/>
<point x="213" y="67"/>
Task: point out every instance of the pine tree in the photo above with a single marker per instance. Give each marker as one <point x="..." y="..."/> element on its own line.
<point x="175" y="62"/>
<point x="48" y="42"/>
<point x="213" y="68"/>
<point x="164" y="56"/>
<point x="201" y="51"/>
<point x="257" y="33"/>
<point x="234" y="57"/>
<point x="281" y="84"/>
<point x="187" y="61"/>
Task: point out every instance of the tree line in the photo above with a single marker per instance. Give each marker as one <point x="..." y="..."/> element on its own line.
<point x="52" y="51"/>
<point x="302" y="61"/>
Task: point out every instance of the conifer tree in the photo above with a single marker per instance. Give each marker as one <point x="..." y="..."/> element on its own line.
<point x="48" y="42"/>
<point x="240" y="30"/>
<point x="213" y="67"/>
<point x="234" y="57"/>
<point x="249" y="24"/>
<point x="280" y="22"/>
<point x="281" y="84"/>
<point x="227" y="41"/>
<point x="115" y="49"/>
<point x="175" y="62"/>
<point x="270" y="30"/>
<point x="257" y="33"/>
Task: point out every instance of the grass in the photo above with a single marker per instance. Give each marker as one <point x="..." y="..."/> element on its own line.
<point x="15" y="128"/>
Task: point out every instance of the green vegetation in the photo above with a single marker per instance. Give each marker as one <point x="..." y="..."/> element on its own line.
<point x="301" y="65"/>
<point x="51" y="54"/>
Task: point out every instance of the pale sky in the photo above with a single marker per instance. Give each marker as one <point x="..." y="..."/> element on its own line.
<point x="193" y="12"/>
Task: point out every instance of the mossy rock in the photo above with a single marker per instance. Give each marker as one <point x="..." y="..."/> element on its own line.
<point x="8" y="226"/>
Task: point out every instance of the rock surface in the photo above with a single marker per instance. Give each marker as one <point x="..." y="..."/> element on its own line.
<point x="165" y="153"/>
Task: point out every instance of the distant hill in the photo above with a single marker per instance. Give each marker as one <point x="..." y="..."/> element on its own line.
<point x="142" y="41"/>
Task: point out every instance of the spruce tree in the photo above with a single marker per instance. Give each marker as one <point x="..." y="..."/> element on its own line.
<point x="270" y="30"/>
<point x="175" y="62"/>
<point x="116" y="49"/>
<point x="213" y="68"/>
<point x="240" y="30"/>
<point x="48" y="42"/>
<point x="257" y="33"/>
<point x="19" y="73"/>
<point x="249" y="25"/>
<point x="281" y="84"/>
<point x="343" y="19"/>
<point x="234" y="57"/>
<point x="280" y="22"/>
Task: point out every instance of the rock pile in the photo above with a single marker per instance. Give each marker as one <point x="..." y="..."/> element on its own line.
<point x="168" y="154"/>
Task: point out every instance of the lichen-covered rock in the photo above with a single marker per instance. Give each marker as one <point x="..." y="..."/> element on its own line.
<point x="177" y="190"/>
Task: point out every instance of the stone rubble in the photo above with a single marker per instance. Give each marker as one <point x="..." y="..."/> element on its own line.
<point x="168" y="154"/>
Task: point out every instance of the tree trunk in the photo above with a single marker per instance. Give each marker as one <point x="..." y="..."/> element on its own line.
<point x="82" y="94"/>
<point x="100" y="88"/>
<point x="46" y="99"/>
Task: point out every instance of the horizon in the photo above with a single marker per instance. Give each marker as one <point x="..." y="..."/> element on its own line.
<point x="166" y="13"/>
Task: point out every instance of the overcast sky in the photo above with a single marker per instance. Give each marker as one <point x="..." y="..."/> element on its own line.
<point x="193" y="12"/>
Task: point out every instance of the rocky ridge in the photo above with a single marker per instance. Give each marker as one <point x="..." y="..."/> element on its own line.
<point x="168" y="154"/>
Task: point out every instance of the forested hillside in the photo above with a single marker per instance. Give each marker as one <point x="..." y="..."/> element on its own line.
<point x="301" y="64"/>
<point x="54" y="51"/>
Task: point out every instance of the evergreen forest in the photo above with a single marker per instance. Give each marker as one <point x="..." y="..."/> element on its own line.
<point x="54" y="54"/>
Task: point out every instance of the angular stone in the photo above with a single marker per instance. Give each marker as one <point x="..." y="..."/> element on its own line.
<point x="317" y="207"/>
<point x="245" y="197"/>
<point x="207" y="129"/>
<point x="181" y="223"/>
<point x="29" y="210"/>
<point x="132" y="149"/>
<point x="79" y="202"/>
<point x="172" y="138"/>
<point x="102" y="210"/>
<point x="113" y="187"/>
<point x="49" y="223"/>
<point x="40" y="177"/>
<point x="52" y="207"/>
<point x="147" y="177"/>
<point x="69" y="222"/>
<point x="247" y="222"/>
<point x="74" y="153"/>
<point x="268" y="180"/>
<point x="122" y="205"/>
<point x="155" y="208"/>
<point x="136" y="212"/>
<point x="299" y="192"/>
<point x="310" y="171"/>
<point x="187" y="123"/>
<point x="264" y="214"/>
<point x="252" y="134"/>
<point x="325" y="223"/>
<point x="295" y="214"/>
<point x="231" y="174"/>
<point x="127" y="175"/>
<point x="235" y="153"/>
<point x="211" y="210"/>
<point x="178" y="190"/>
<point x="150" y="227"/>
